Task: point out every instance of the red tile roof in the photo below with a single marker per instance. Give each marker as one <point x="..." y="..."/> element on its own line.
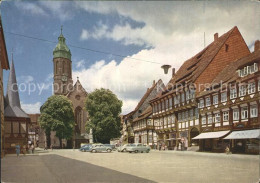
<point x="193" y="67"/>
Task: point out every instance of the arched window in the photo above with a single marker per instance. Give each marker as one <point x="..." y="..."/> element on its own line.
<point x="78" y="119"/>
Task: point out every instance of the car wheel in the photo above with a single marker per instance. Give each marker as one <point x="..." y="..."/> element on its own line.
<point x="108" y="150"/>
<point x="147" y="150"/>
<point x="136" y="151"/>
<point x="93" y="151"/>
<point x="130" y="151"/>
<point x="124" y="150"/>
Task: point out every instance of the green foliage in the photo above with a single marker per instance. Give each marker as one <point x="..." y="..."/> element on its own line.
<point x="103" y="108"/>
<point x="57" y="115"/>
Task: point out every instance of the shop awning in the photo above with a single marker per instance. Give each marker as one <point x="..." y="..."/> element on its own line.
<point x="245" y="134"/>
<point x="212" y="135"/>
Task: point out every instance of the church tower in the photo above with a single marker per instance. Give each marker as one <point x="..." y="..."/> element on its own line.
<point x="62" y="67"/>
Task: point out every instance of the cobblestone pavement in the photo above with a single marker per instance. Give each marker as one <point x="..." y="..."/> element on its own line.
<point x="158" y="166"/>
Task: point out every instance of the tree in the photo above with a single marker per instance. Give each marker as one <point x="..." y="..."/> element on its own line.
<point x="57" y="115"/>
<point x="103" y="108"/>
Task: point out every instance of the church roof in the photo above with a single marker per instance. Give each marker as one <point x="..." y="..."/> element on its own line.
<point x="13" y="106"/>
<point x="77" y="87"/>
<point x="61" y="49"/>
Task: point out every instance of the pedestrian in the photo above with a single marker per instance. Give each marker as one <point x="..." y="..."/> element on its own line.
<point x="17" y="148"/>
<point x="32" y="148"/>
<point x="160" y="146"/>
<point x="24" y="150"/>
<point x="227" y="150"/>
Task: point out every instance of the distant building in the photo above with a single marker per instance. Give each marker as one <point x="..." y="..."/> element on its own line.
<point x="175" y="111"/>
<point x="16" y="120"/>
<point x="138" y="123"/>
<point x="34" y="129"/>
<point x="3" y="65"/>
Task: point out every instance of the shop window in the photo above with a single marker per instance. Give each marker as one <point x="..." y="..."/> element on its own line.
<point x="183" y="97"/>
<point x="208" y="102"/>
<point x="187" y="95"/>
<point x="225" y="116"/>
<point x="162" y="105"/>
<point x="203" y="120"/>
<point x="210" y="119"/>
<point x="215" y="99"/>
<point x="217" y="118"/>
<point x="224" y="97"/>
<point x="170" y="103"/>
<point x="196" y="113"/>
<point x="244" y="112"/>
<point x="236" y="114"/>
<point x="233" y="93"/>
<point x="253" y="111"/>
<point x="191" y="114"/>
<point x="251" y="88"/>
<point x="242" y="90"/>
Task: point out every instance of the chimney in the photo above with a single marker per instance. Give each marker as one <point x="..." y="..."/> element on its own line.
<point x="257" y="45"/>
<point x="215" y="36"/>
<point x="173" y="72"/>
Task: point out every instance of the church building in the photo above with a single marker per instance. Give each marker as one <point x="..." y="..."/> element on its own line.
<point x="63" y="85"/>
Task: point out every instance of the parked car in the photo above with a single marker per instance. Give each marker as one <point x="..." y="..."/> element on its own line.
<point x="86" y="148"/>
<point x="138" y="148"/>
<point x="122" y="148"/>
<point x="113" y="147"/>
<point x="100" y="148"/>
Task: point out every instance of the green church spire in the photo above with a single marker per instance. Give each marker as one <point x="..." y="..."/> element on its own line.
<point x="61" y="49"/>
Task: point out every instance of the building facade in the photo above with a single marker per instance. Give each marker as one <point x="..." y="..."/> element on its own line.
<point x="175" y="111"/>
<point x="16" y="120"/>
<point x="229" y="108"/>
<point x="3" y="65"/>
<point x="138" y="123"/>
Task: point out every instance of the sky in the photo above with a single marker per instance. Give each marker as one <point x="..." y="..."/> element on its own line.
<point x="129" y="41"/>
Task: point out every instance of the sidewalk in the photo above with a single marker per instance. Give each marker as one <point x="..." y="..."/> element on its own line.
<point x="208" y="154"/>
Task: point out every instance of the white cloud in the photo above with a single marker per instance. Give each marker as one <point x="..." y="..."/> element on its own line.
<point x="59" y="9"/>
<point x="25" y="79"/>
<point x="80" y="64"/>
<point x="30" y="7"/>
<point x="31" y="108"/>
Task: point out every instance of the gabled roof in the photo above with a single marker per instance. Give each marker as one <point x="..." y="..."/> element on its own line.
<point x="13" y="106"/>
<point x="77" y="87"/>
<point x="194" y="67"/>
<point x="229" y="74"/>
<point x="147" y="93"/>
<point x="147" y="112"/>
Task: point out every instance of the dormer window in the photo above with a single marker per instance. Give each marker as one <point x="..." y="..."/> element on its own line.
<point x="248" y="70"/>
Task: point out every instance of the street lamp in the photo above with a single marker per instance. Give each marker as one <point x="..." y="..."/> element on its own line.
<point x="165" y="68"/>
